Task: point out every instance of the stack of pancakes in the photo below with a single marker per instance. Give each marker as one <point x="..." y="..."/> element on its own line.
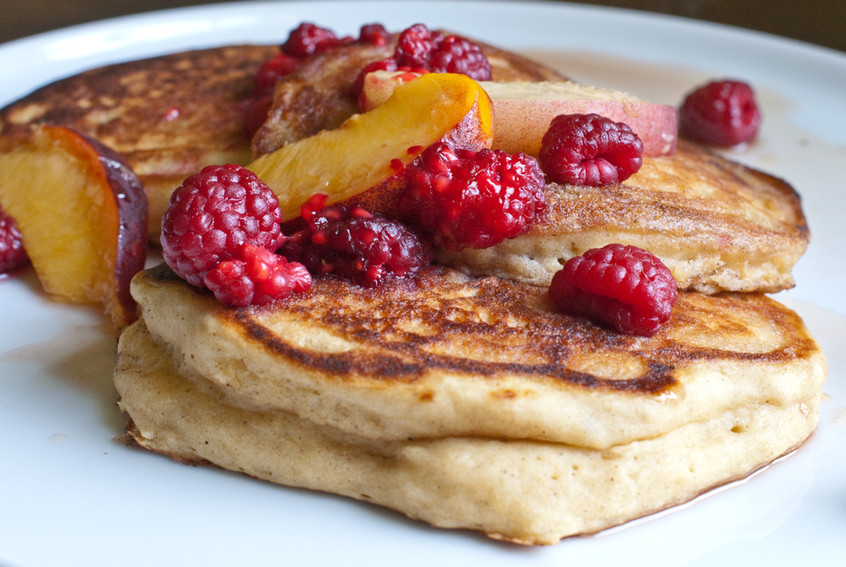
<point x="462" y="397"/>
<point x="469" y="402"/>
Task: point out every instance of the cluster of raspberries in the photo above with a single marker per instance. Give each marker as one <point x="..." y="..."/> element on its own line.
<point x="222" y="230"/>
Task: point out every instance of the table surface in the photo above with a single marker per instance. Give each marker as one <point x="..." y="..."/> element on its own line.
<point x="812" y="21"/>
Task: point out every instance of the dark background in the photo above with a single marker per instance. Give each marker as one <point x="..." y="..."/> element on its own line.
<point x="822" y="22"/>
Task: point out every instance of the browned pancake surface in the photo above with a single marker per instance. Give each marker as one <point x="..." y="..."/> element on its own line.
<point x="447" y="354"/>
<point x="168" y="116"/>
<point x="718" y="225"/>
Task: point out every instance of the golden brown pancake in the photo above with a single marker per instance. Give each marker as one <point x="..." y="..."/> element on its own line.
<point x="716" y="224"/>
<point x="535" y="424"/>
<point x="167" y="116"/>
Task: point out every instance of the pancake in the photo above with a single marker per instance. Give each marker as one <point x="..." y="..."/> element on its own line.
<point x="168" y="116"/>
<point x="716" y="224"/>
<point x="470" y="403"/>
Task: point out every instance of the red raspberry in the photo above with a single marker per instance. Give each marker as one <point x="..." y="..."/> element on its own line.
<point x="212" y="214"/>
<point x="413" y="46"/>
<point x="473" y="199"/>
<point x="418" y="47"/>
<point x="375" y="34"/>
<point x="354" y="244"/>
<point x="278" y="66"/>
<point x="12" y="253"/>
<point x="255" y="276"/>
<point x="255" y="111"/>
<point x="720" y="113"/>
<point x="588" y="149"/>
<point x="307" y="39"/>
<point x="625" y="287"/>
<point x="458" y="55"/>
<point x="427" y="51"/>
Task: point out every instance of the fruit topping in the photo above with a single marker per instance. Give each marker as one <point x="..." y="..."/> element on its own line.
<point x="355" y="245"/>
<point x="374" y="34"/>
<point x="307" y="39"/>
<point x="720" y="113"/>
<point x="625" y="287"/>
<point x="270" y="72"/>
<point x="255" y="111"/>
<point x="304" y="41"/>
<point x="432" y="51"/>
<point x="212" y="215"/>
<point x="523" y="110"/>
<point x="588" y="149"/>
<point x="278" y="66"/>
<point x="440" y="53"/>
<point x="82" y="216"/>
<point x="473" y="199"/>
<point x="256" y="276"/>
<point x="12" y="253"/>
<point x="369" y="148"/>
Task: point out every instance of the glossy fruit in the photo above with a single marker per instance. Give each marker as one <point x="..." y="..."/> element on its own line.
<point x="473" y="199"/>
<point x="721" y="113"/>
<point x="278" y="66"/>
<point x="355" y="245"/>
<point x="374" y="34"/>
<point x="625" y="287"/>
<point x="523" y="111"/>
<point x="437" y="52"/>
<point x="307" y="39"/>
<point x="212" y="215"/>
<point x="256" y="276"/>
<point x="82" y="214"/>
<point x="372" y="147"/>
<point x="588" y="149"/>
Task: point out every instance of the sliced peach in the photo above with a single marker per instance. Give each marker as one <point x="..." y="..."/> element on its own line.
<point x="82" y="214"/>
<point x="523" y="110"/>
<point x="372" y="147"/>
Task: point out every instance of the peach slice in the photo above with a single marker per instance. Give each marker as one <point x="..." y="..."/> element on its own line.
<point x="82" y="214"/>
<point x="523" y="110"/>
<point x="370" y="148"/>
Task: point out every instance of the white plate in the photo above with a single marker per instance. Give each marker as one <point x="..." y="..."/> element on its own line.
<point x="71" y="495"/>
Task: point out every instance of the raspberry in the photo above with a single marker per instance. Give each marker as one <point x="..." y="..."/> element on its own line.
<point x="588" y="149"/>
<point x="418" y="47"/>
<point x="458" y="55"/>
<point x="307" y="39"/>
<point x="272" y="70"/>
<point x="473" y="199"/>
<point x="375" y="34"/>
<point x="255" y="276"/>
<point x="12" y="253"/>
<point x="355" y="245"/>
<point x="413" y="46"/>
<point x="255" y="111"/>
<point x="212" y="214"/>
<point x="425" y="51"/>
<point x="720" y="113"/>
<point x="625" y="287"/>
